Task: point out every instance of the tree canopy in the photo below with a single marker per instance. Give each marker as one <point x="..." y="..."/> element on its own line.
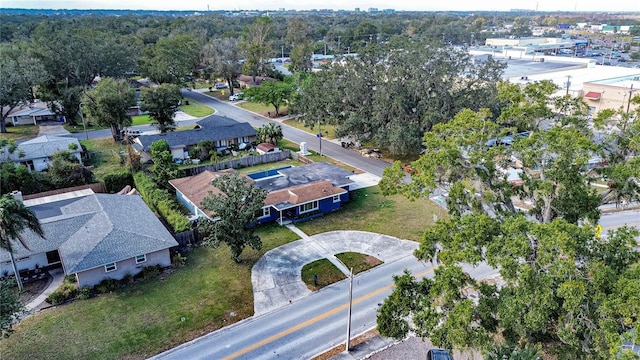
<point x="171" y="60"/>
<point x="108" y="104"/>
<point x="393" y="93"/>
<point x="161" y="102"/>
<point x="235" y="212"/>
<point x="562" y="285"/>
<point x="275" y="93"/>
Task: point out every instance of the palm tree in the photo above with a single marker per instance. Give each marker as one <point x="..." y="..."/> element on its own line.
<point x="271" y="133"/>
<point x="14" y="219"/>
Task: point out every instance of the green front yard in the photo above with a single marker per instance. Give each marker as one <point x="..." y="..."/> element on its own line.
<point x="211" y="291"/>
<point x="195" y="109"/>
<point x="20" y="132"/>
<point x="328" y="131"/>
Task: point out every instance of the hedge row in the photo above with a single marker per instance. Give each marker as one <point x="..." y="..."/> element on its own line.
<point x="161" y="202"/>
<point x="117" y="181"/>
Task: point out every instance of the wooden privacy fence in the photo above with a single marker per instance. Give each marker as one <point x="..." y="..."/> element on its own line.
<point x="188" y="238"/>
<point x="246" y="161"/>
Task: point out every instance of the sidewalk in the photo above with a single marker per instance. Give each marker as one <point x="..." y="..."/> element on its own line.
<point x="58" y="278"/>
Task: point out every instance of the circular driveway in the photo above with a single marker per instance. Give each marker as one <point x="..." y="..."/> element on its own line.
<point x="276" y="277"/>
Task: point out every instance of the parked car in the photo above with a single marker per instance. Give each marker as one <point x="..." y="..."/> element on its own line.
<point x="236" y="96"/>
<point x="221" y="86"/>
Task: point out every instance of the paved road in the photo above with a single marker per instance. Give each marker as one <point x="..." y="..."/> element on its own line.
<point x="329" y="148"/>
<point x="310" y="325"/>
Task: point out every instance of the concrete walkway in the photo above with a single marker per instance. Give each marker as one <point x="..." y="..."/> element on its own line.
<point x="276" y="277"/>
<point x="58" y="278"/>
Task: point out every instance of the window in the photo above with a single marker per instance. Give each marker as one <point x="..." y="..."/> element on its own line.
<point x="110" y="267"/>
<point x="336" y="198"/>
<point x="266" y="211"/>
<point x="141" y="259"/>
<point x="310" y="206"/>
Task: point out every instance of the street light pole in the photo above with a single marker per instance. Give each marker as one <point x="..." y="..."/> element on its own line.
<point x="84" y="123"/>
<point x="320" y="136"/>
<point x="349" y="311"/>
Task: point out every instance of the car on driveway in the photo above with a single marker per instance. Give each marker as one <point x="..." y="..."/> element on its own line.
<point x="220" y="86"/>
<point x="236" y="96"/>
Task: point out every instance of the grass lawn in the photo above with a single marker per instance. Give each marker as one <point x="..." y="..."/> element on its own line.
<point x="20" y="132"/>
<point x="107" y="156"/>
<point x="369" y="210"/>
<point x="141" y="120"/>
<point x="211" y="291"/>
<point x="263" y="109"/>
<point x="328" y="131"/>
<point x="222" y="94"/>
<point x="327" y="274"/>
<point x="195" y="109"/>
<point x="358" y="262"/>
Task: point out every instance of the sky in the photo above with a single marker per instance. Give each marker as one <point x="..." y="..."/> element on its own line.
<point x="420" y="5"/>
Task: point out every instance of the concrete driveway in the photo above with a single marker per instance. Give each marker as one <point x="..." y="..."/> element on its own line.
<point x="276" y="277"/>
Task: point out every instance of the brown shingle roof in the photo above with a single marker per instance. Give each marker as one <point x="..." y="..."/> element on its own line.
<point x="302" y="194"/>
<point x="196" y="188"/>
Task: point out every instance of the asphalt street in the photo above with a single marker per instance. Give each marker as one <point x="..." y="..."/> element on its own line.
<point x="311" y="325"/>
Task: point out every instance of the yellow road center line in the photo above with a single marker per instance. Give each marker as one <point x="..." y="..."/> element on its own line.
<point x="316" y="319"/>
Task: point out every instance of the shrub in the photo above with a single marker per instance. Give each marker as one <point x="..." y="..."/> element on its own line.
<point x="151" y="272"/>
<point x="115" y="182"/>
<point x="177" y="260"/>
<point x="85" y="293"/>
<point x="65" y="292"/>
<point x="127" y="279"/>
<point x="107" y="286"/>
<point x="161" y="202"/>
<point x="70" y="279"/>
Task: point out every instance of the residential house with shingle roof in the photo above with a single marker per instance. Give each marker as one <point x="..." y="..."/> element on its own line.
<point x="31" y="114"/>
<point x="36" y="153"/>
<point x="294" y="194"/>
<point x="92" y="236"/>
<point x="222" y="131"/>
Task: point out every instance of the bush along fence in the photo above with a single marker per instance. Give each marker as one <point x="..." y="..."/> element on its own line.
<point x="242" y="162"/>
<point x="161" y="202"/>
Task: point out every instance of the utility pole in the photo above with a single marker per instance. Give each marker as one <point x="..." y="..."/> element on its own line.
<point x="84" y="123"/>
<point x="339" y="49"/>
<point x="629" y="99"/>
<point x="320" y="136"/>
<point x="568" y="83"/>
<point x="349" y="311"/>
<point x="282" y="51"/>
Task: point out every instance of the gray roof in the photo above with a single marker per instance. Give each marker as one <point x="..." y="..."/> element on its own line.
<point x="44" y="147"/>
<point x="96" y="230"/>
<point x="306" y="174"/>
<point x="224" y="131"/>
<point x="213" y="121"/>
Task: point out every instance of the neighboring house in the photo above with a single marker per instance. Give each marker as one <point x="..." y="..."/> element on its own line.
<point x="294" y="194"/>
<point x="36" y="153"/>
<point x="92" y="236"/>
<point x="246" y="81"/>
<point x="32" y="114"/>
<point x="222" y="131"/>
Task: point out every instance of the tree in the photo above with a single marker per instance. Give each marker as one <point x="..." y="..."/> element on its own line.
<point x="223" y="56"/>
<point x="164" y="168"/>
<point x="255" y="46"/>
<point x="108" y="104"/>
<point x="560" y="281"/>
<point x="75" y="53"/>
<point x="395" y="92"/>
<point x="270" y="133"/>
<point x="297" y="36"/>
<point x="171" y="59"/>
<point x="14" y="219"/>
<point x="10" y="306"/>
<point x="234" y="214"/>
<point x="274" y="93"/>
<point x="562" y="287"/>
<point x="19" y="73"/>
<point x="66" y="171"/>
<point x="161" y="102"/>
